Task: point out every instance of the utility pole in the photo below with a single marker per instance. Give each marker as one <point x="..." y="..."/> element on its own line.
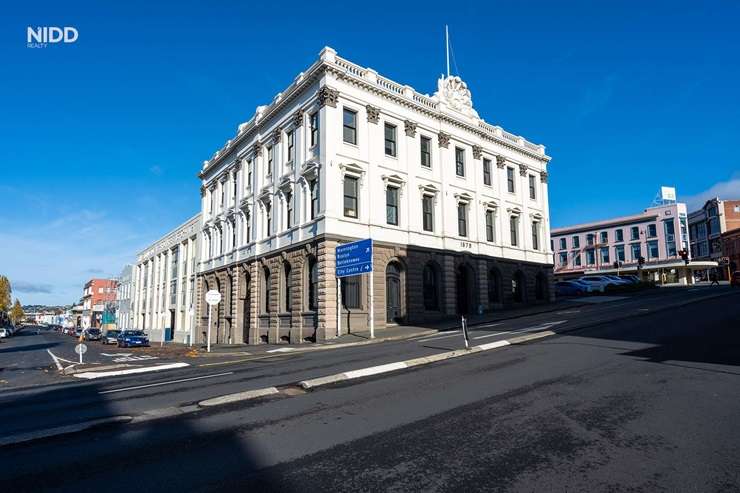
<point x="447" y="48"/>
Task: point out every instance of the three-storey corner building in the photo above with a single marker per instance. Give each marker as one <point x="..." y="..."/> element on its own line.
<point x="457" y="209"/>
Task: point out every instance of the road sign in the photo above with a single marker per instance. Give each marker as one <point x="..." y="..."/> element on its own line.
<point x="354" y="258"/>
<point x="80" y="349"/>
<point x="724" y="260"/>
<point x="213" y="297"/>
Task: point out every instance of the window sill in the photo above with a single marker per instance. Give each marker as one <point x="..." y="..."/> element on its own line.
<point x="351" y="144"/>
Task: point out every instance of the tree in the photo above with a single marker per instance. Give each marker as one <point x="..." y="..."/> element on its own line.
<point x="5" y="292"/>
<point x="16" y="313"/>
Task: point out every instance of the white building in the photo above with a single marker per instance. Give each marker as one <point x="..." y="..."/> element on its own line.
<point x="124" y="313"/>
<point x="164" y="284"/>
<point x="457" y="208"/>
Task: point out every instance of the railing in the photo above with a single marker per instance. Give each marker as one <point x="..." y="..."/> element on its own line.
<point x="390" y="85"/>
<point x="350" y="67"/>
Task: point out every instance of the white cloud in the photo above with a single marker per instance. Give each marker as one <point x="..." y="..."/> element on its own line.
<point x="728" y="190"/>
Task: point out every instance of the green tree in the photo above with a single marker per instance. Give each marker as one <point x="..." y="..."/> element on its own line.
<point x="5" y="292"/>
<point x="16" y="313"/>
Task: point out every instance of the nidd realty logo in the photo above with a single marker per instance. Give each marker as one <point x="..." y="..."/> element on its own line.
<point x="41" y="37"/>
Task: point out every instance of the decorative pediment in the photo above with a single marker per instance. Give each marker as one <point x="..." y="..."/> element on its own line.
<point x="489" y="204"/>
<point x="392" y="180"/>
<point x="463" y="197"/>
<point x="286" y="184"/>
<point x="428" y="189"/>
<point x="453" y="94"/>
<point x="352" y="169"/>
<point x="514" y="211"/>
<point x="310" y="169"/>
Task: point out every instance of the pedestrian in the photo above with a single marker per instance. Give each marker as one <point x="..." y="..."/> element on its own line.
<point x="713" y="276"/>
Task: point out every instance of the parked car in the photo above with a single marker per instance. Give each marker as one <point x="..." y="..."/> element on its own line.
<point x="77" y="332"/>
<point x="132" y="338"/>
<point x="110" y="337"/>
<point x="618" y="280"/>
<point x="631" y="279"/>
<point x="735" y="280"/>
<point x="570" y="288"/>
<point x="92" y="334"/>
<point x="5" y="332"/>
<point x="597" y="285"/>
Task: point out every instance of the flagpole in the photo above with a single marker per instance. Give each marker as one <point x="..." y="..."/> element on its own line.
<point x="447" y="48"/>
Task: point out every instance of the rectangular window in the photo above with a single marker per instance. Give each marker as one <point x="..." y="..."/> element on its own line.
<point x="652" y="249"/>
<point x="351" y="291"/>
<point x="513" y="230"/>
<point x="576" y="240"/>
<point x="427" y="205"/>
<point x="576" y="259"/>
<point x="426" y="152"/>
<point x="391" y="206"/>
<point x="510" y="180"/>
<point x="288" y="210"/>
<point x="618" y="235"/>
<point x="590" y="238"/>
<point x="350" y="126"/>
<point x="619" y="253"/>
<point x="462" y="219"/>
<point x="590" y="257"/>
<point x="249" y="175"/>
<point x="290" y="137"/>
<point x="636" y="251"/>
<point x="532" y="188"/>
<point x="489" y="225"/>
<point x="535" y="235"/>
<point x="652" y="231"/>
<point x="390" y="140"/>
<point x="270" y="157"/>
<point x="314" y="122"/>
<point x="604" y="255"/>
<point x="235" y="188"/>
<point x="563" y="244"/>
<point x="248" y="222"/>
<point x="563" y="259"/>
<point x="486" y="171"/>
<point x="459" y="161"/>
<point x="350" y="196"/>
<point x="634" y="233"/>
<point x="314" y="198"/>
<point x="604" y="237"/>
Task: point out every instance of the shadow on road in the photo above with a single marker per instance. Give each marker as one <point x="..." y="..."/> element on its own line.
<point x="30" y="347"/>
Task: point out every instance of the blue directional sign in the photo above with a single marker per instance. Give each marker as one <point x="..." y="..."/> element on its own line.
<point x="354" y="258"/>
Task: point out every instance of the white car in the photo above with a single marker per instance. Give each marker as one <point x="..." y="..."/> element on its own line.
<point x="5" y="333"/>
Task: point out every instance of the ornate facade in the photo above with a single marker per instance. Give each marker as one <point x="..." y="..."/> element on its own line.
<point x="457" y="208"/>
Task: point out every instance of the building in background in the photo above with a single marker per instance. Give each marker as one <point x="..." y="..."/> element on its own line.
<point x="615" y="245"/>
<point x="457" y="209"/>
<point x="731" y="251"/>
<point x="98" y="297"/>
<point x="164" y="284"/>
<point x="706" y="227"/>
<point x="124" y="313"/>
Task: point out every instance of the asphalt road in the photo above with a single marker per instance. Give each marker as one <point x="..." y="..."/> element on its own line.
<point x="647" y="403"/>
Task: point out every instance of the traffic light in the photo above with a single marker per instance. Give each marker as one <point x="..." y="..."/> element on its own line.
<point x="615" y="264"/>
<point x="684" y="254"/>
<point x="641" y="261"/>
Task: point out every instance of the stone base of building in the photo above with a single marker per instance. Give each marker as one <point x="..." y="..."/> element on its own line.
<point x="290" y="295"/>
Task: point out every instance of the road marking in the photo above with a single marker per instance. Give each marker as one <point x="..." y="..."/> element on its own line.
<point x="56" y="360"/>
<point x="450" y="334"/>
<point x="134" y="358"/>
<point x="281" y="350"/>
<point x="166" y="383"/>
<point x="116" y="354"/>
<point x="374" y="370"/>
<point x="493" y="345"/>
<point x="90" y="375"/>
<point x="486" y="325"/>
<point x="568" y="312"/>
<point x="493" y="335"/>
<point x="239" y="396"/>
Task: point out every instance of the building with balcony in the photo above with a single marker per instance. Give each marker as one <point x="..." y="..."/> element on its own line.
<point x="98" y="295"/>
<point x="457" y="209"/>
<point x="163" y="284"/>
<point x="706" y="227"/>
<point x="614" y="246"/>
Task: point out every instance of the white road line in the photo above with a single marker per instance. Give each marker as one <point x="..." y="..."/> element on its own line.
<point x="90" y="375"/>
<point x="486" y="325"/>
<point x="165" y="383"/>
<point x="56" y="360"/>
<point x="281" y="350"/>
<point x="450" y="334"/>
<point x="494" y="335"/>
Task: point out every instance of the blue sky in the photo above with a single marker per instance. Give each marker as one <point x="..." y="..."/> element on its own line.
<point x="102" y="139"/>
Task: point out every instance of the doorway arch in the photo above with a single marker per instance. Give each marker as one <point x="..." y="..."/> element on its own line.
<point x="519" y="287"/>
<point x="393" y="292"/>
<point x="540" y="286"/>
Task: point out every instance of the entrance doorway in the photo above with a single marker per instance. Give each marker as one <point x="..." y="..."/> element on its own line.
<point x="172" y="325"/>
<point x="464" y="283"/>
<point x="393" y="292"/>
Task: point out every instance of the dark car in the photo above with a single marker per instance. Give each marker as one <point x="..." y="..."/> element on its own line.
<point x="92" y="334"/>
<point x="110" y="337"/>
<point x="132" y="338"/>
<point x="77" y="332"/>
<point x="569" y="288"/>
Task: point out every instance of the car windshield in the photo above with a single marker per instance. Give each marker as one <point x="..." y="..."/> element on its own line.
<point x="133" y="333"/>
<point x="113" y="332"/>
<point x="93" y="331"/>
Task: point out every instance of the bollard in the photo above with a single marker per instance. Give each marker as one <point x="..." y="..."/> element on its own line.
<point x="465" y="332"/>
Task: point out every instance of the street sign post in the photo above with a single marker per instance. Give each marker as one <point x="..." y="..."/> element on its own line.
<point x="354" y="259"/>
<point x="213" y="297"/>
<point x="81" y="349"/>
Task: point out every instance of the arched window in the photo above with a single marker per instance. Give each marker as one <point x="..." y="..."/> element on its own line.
<point x="518" y="287"/>
<point x="429" y="278"/>
<point x="313" y="284"/>
<point x="266" y="290"/>
<point x="494" y="286"/>
<point x="287" y="305"/>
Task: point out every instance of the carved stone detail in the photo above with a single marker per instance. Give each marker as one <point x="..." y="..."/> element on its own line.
<point x="500" y="162"/>
<point x="298" y="118"/>
<point x="444" y="139"/>
<point x="257" y="149"/>
<point x="202" y="191"/>
<point x="410" y="128"/>
<point x="373" y="113"/>
<point x="523" y="169"/>
<point x="328" y="97"/>
<point x="543" y="176"/>
<point x="477" y="152"/>
<point x="277" y="134"/>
